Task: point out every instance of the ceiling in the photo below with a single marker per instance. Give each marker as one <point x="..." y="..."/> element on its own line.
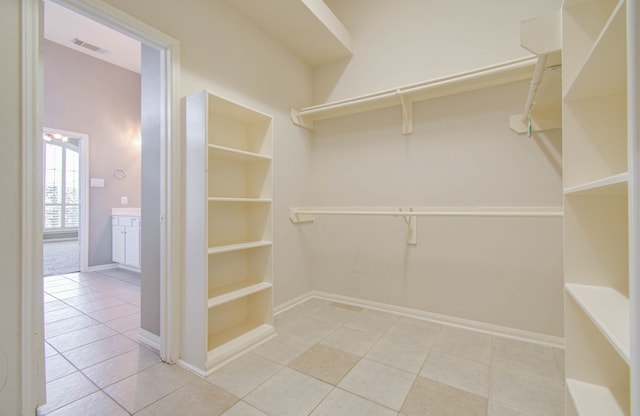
<point x="62" y="26"/>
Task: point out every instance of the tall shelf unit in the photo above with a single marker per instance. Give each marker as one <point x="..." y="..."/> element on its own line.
<point x="227" y="291"/>
<point x="597" y="189"/>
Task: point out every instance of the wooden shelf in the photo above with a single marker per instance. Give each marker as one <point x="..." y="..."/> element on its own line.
<point x="229" y="199"/>
<point x="592" y="400"/>
<point x="236" y="247"/>
<point x="609" y="311"/>
<point x="612" y="185"/>
<point x="604" y="70"/>
<point x="236" y="154"/>
<point x="236" y="291"/>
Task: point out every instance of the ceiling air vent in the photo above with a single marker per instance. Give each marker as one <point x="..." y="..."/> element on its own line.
<point x="87" y="45"/>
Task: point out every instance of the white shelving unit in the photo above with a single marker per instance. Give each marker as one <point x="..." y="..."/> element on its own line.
<point x="597" y="193"/>
<point x="228" y="279"/>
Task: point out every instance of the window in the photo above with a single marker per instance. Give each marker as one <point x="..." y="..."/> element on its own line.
<point x="61" y="184"/>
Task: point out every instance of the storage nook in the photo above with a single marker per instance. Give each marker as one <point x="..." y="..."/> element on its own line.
<point x="228" y="211"/>
<point x="597" y="190"/>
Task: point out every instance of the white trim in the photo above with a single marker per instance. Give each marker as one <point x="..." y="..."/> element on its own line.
<point x="31" y="313"/>
<point x="103" y="267"/>
<point x="502" y="331"/>
<point x="149" y="339"/>
<point x="83" y="230"/>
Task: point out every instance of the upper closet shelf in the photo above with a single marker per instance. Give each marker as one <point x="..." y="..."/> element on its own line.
<point x="502" y="73"/>
<point x="307" y="28"/>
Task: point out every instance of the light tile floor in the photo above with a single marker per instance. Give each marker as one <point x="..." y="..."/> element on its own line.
<point x="328" y="359"/>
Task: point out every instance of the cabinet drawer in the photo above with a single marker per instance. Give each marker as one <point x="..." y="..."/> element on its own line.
<point x="126" y="220"/>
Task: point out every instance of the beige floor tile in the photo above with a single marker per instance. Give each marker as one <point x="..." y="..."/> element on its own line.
<point x="430" y="398"/>
<point x="405" y="357"/>
<point x="308" y="329"/>
<point x="289" y="393"/>
<point x="334" y="315"/>
<point x="53" y="305"/>
<point x="346" y="306"/>
<point x="141" y="389"/>
<point x="379" y="383"/>
<point x="100" y="304"/>
<point x="466" y="344"/>
<point x="503" y="342"/>
<point x="343" y="403"/>
<point x="282" y="349"/>
<point x="86" y="298"/>
<point x="539" y="396"/>
<point x="49" y="350"/>
<point x="66" y="390"/>
<point x="414" y="332"/>
<point x="72" y="293"/>
<point x="501" y="409"/>
<point x="198" y="398"/>
<point x="56" y="366"/>
<point x="99" y="351"/>
<point x="61" y="286"/>
<point x="538" y="361"/>
<point x="243" y="409"/>
<point x="458" y="372"/>
<point x="60" y="314"/>
<point x="325" y="363"/>
<point x="118" y="368"/>
<point x="387" y="316"/>
<point x="125" y="323"/>
<point x="96" y="404"/>
<point x="115" y="312"/>
<point x="244" y="374"/>
<point x="370" y="323"/>
<point x="65" y="326"/>
<point x="80" y="337"/>
<point x="351" y="340"/>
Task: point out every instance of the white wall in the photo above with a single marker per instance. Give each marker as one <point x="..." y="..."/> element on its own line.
<point x="502" y="271"/>
<point x="406" y="41"/>
<point x="227" y="55"/>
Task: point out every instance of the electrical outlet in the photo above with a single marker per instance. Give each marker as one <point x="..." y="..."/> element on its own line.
<point x="124" y="200"/>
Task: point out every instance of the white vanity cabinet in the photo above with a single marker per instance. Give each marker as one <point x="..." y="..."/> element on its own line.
<point x="125" y="243"/>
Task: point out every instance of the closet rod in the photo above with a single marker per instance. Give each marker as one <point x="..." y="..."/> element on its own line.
<point x="433" y="213"/>
<point x="533" y="87"/>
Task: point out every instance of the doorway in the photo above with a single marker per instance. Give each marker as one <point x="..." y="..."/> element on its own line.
<point x="167" y="50"/>
<point x="65" y="199"/>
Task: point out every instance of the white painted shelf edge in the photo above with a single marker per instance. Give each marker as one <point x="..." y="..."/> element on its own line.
<point x="599" y="184"/>
<point x="237" y="294"/>
<point x="235" y="346"/>
<point x="229" y="199"/>
<point x="236" y="247"/>
<point x="237" y="153"/>
<point x="608" y="309"/>
<point x="592" y="400"/>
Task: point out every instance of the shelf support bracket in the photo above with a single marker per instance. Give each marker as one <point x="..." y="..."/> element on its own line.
<point x="412" y="229"/>
<point x="299" y="120"/>
<point x="298" y="218"/>
<point x="407" y="115"/>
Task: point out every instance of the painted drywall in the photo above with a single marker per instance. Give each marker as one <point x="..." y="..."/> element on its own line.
<point x="402" y="42"/>
<point x="87" y="95"/>
<point x="225" y="54"/>
<point x="502" y="271"/>
<point x="151" y="157"/>
<point x="11" y="209"/>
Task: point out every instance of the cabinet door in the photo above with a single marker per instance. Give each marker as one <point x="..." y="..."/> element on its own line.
<point x="118" y="244"/>
<point x="132" y="247"/>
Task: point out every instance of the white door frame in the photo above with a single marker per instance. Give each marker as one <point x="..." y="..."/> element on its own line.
<point x="32" y="337"/>
<point x="83" y="227"/>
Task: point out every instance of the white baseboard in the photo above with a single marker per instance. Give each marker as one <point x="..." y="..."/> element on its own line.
<point x="149" y="339"/>
<point x="102" y="267"/>
<point x="503" y="331"/>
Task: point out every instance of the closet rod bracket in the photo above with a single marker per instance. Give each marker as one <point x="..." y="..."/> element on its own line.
<point x="407" y="114"/>
<point x="300" y="218"/>
<point x="412" y="229"/>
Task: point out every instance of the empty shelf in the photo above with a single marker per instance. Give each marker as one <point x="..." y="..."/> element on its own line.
<point x="608" y="309"/>
<point x="611" y="185"/>
<point x="592" y="400"/>
<point x="234" y="292"/>
<point x="236" y="154"/>
<point x="236" y="247"/>
<point x="229" y="199"/>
